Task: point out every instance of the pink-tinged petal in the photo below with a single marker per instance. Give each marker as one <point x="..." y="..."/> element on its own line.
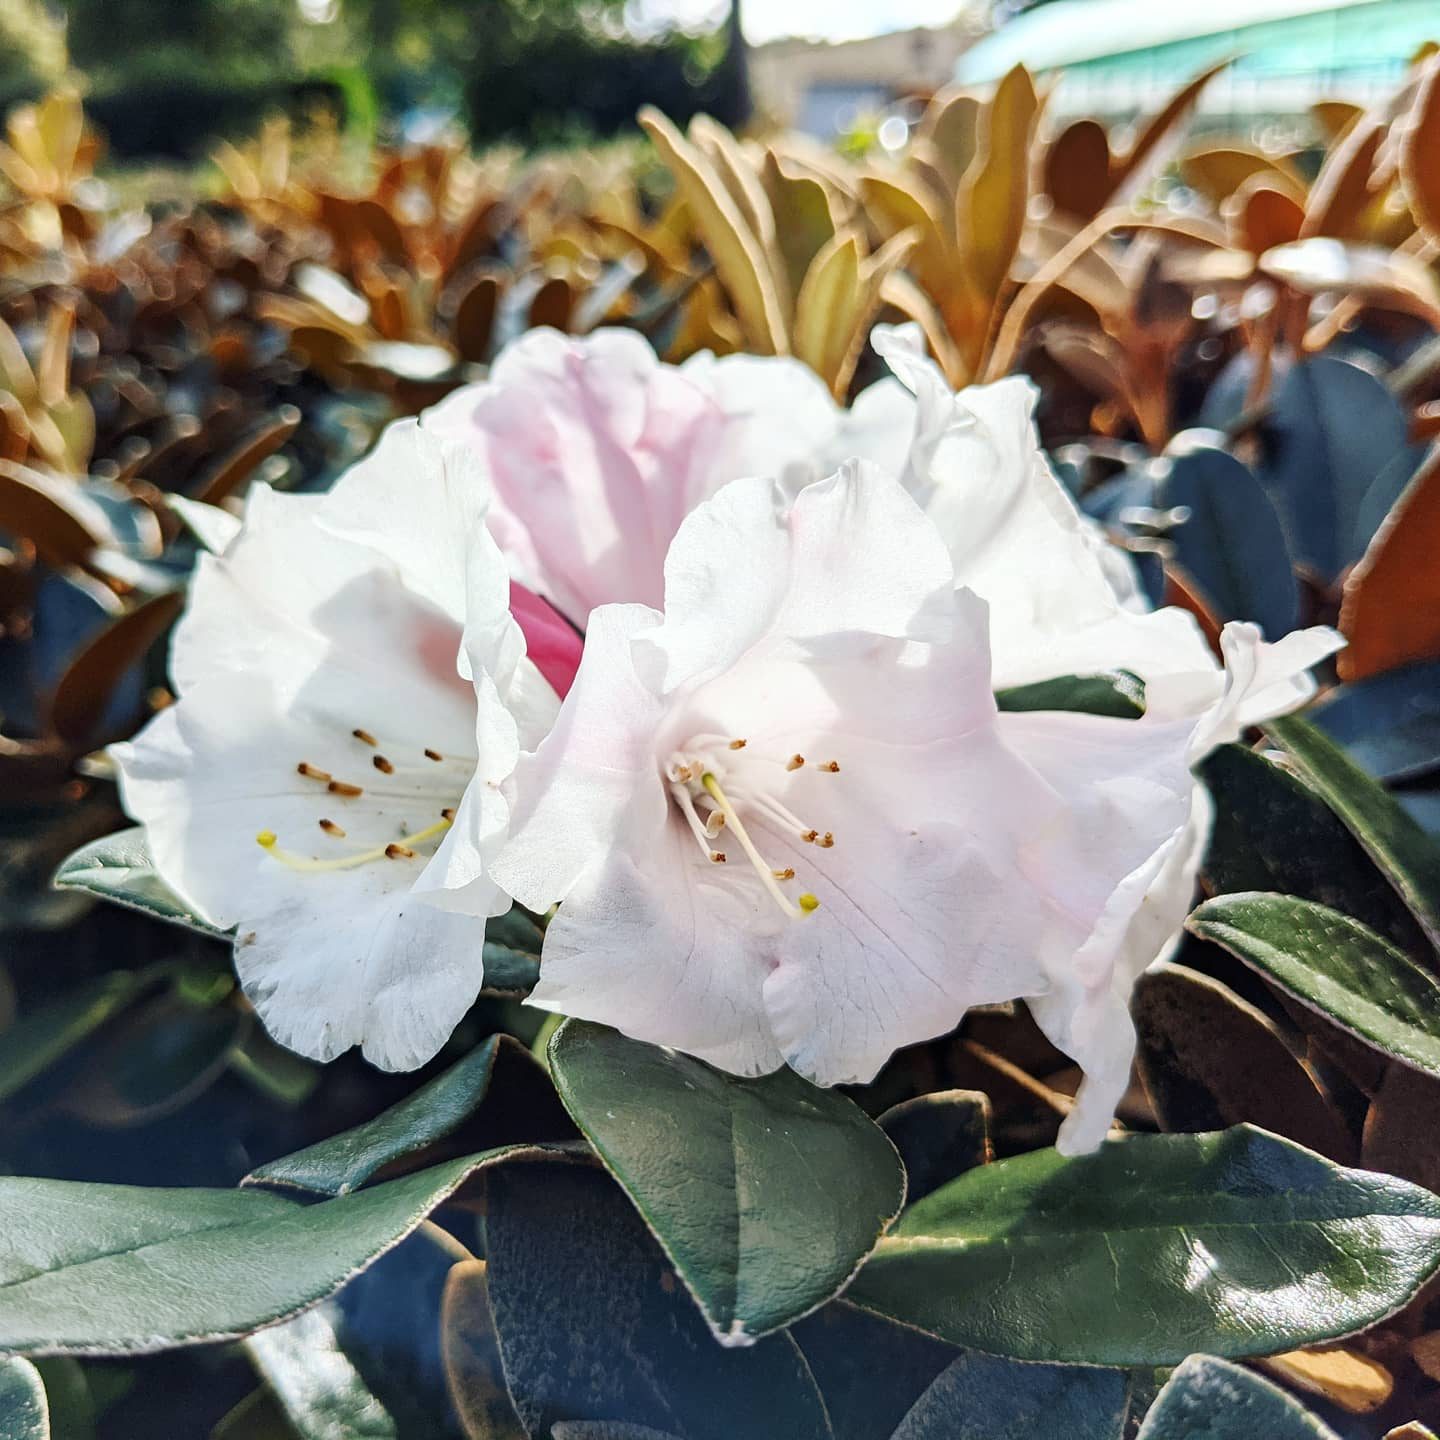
<point x="551" y="642"/>
<point x="574" y="796"/>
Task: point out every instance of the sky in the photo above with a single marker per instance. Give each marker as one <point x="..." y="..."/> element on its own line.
<point x="822" y="19"/>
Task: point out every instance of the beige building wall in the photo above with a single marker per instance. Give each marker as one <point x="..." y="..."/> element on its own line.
<point x="784" y="72"/>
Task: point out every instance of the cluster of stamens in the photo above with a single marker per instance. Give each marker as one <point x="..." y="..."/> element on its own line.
<point x="401" y="848"/>
<point x="694" y="776"/>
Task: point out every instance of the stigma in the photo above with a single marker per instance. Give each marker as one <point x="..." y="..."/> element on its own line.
<point x="714" y="797"/>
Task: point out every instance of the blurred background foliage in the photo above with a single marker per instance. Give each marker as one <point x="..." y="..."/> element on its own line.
<point x="1237" y="344"/>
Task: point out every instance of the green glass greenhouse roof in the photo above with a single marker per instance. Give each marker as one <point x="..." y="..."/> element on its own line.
<point x="1276" y="36"/>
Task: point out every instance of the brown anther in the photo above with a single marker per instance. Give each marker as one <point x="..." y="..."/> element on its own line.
<point x="342" y="787"/>
<point x="718" y="856"/>
<point x="433" y="754"/>
<point x="310" y="772"/>
<point x="382" y="764"/>
<point x="833" y="766"/>
<point x="717" y="819"/>
<point x="399" y="852"/>
<point x="683" y="773"/>
<point x="826" y="841"/>
<point x="737" y="744"/>
<point x="794" y="762"/>
<point x="366" y="736"/>
<point x="809" y="836"/>
<point x="788" y="873"/>
<point x="331" y="828"/>
<point x="448" y="814"/>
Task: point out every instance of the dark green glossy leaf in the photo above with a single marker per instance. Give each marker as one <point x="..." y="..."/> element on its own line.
<point x="1211" y="1398"/>
<point x="983" y="1397"/>
<point x="1332" y="429"/>
<point x="1273" y="832"/>
<point x="1208" y="1060"/>
<point x="766" y="1194"/>
<point x="434" y="1112"/>
<point x="115" y="1269"/>
<point x="365" y="1364"/>
<point x="1116" y="693"/>
<point x="1406" y="855"/>
<point x="594" y="1325"/>
<point x="1335" y="965"/>
<point x="1231" y="542"/>
<point x="939" y="1136"/>
<point x="1390" y="723"/>
<point x="512" y="953"/>
<point x="867" y="1402"/>
<point x="1237" y="1242"/>
<point x="37" y="1041"/>
<point x="23" y="1412"/>
<point x="118" y="867"/>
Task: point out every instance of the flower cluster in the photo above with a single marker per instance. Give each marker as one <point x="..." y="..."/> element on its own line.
<point x="783" y="818"/>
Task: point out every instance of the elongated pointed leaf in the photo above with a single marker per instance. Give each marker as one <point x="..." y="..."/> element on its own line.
<point x="1117" y="693"/>
<point x="1273" y="832"/>
<point x="1335" y="965"/>
<point x="1220" y="1401"/>
<point x="983" y="1397"/>
<point x="766" y="1194"/>
<point x="1407" y="856"/>
<point x="120" y="1269"/>
<point x="939" y="1136"/>
<point x="118" y="867"/>
<point x="434" y="1112"/>
<point x="1238" y="1242"/>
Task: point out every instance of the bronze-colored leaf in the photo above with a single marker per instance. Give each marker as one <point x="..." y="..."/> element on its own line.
<point x="1218" y="172"/>
<point x="951" y="125"/>
<point x="61" y="522"/>
<point x="827" y="308"/>
<point x="475" y="318"/>
<point x="1265" y="216"/>
<point x="553" y="304"/>
<point x="234" y="468"/>
<point x="1077" y="169"/>
<point x="471" y="1352"/>
<point x="1342" y="188"/>
<point x="740" y="259"/>
<point x="77" y="708"/>
<point x="1391" y="609"/>
<point x="1346" y="1378"/>
<point x="1400" y="1128"/>
<point x="1420" y="151"/>
<point x="1209" y="1059"/>
<point x="1335" y="117"/>
<point x="1154" y="135"/>
<point x="808" y="215"/>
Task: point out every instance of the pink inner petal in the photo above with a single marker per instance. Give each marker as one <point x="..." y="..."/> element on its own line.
<point x="551" y="641"/>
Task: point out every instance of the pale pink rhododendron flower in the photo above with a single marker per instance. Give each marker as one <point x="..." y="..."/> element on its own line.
<point x="778" y="815"/>
<point x="1061" y="601"/>
<point x="1058" y="606"/>
<point x="329" y="780"/>
<point x="596" y="451"/>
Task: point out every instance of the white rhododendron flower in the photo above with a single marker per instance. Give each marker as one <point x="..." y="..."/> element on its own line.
<point x="779" y="816"/>
<point x="1141" y="819"/>
<point x="596" y="451"/>
<point x="328" y="781"/>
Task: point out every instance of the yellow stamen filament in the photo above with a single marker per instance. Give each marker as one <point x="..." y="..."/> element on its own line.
<point x="310" y="772"/>
<point x="794" y="762"/>
<point x="382" y="764"/>
<point x="762" y="869"/>
<point x="365" y="736"/>
<point x="433" y="754"/>
<point x="343" y="787"/>
<point x="331" y="828"/>
<point x="267" y="841"/>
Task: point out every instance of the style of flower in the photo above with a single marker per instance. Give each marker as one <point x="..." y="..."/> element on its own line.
<point x="329" y="780"/>
<point x="596" y="451"/>
<point x="779" y="816"/>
